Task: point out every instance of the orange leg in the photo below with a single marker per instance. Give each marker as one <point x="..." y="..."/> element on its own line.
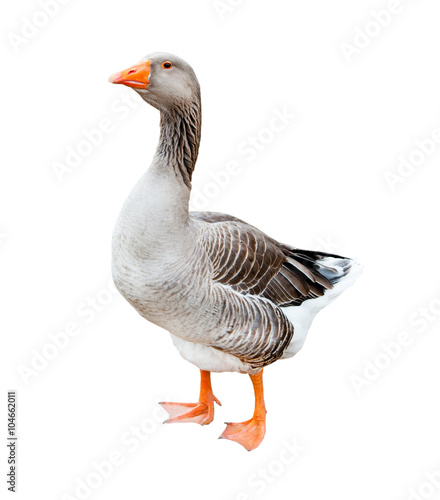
<point x="251" y="432"/>
<point x="200" y="413"/>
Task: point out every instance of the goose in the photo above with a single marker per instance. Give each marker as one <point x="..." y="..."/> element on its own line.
<point x="232" y="298"/>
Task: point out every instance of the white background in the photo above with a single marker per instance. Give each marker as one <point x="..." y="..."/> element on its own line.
<point x="319" y="183"/>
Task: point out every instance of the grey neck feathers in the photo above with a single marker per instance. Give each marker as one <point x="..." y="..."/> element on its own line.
<point x="180" y="138"/>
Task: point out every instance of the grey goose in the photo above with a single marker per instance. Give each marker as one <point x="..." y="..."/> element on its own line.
<point x="232" y="298"/>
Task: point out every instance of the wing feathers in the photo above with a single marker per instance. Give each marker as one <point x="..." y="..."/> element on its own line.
<point x="273" y="275"/>
<point x="250" y="262"/>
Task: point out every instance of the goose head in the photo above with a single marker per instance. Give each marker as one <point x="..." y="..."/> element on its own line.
<point x="163" y="80"/>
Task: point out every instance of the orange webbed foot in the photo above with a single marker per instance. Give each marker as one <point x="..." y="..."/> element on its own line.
<point x="249" y="434"/>
<point x="199" y="413"/>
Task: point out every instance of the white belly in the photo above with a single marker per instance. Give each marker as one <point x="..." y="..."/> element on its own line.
<point x="210" y="359"/>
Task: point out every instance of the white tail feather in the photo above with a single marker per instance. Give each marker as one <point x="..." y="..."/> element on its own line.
<point x="343" y="273"/>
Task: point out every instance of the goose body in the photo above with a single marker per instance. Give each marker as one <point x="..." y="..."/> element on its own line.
<point x="232" y="298"/>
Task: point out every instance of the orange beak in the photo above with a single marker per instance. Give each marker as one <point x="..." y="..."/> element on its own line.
<point x="136" y="77"/>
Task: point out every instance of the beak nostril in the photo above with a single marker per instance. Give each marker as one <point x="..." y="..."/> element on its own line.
<point x="131" y="72"/>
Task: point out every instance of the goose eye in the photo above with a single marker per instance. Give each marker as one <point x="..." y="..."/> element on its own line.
<point x="166" y="65"/>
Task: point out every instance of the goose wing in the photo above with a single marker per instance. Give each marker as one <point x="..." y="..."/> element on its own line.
<point x="250" y="262"/>
<point x="267" y="276"/>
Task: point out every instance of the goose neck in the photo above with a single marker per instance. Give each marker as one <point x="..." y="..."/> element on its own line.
<point x="179" y="141"/>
